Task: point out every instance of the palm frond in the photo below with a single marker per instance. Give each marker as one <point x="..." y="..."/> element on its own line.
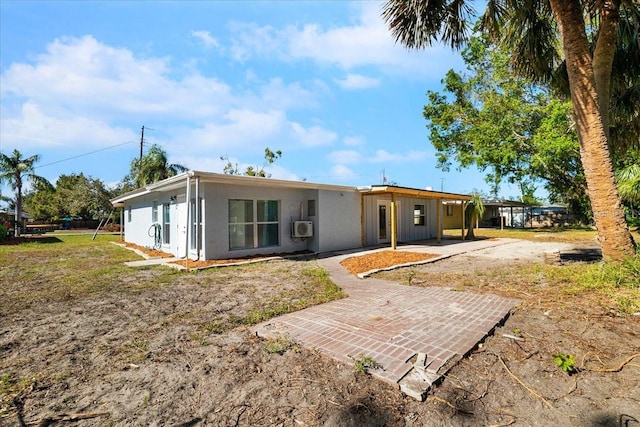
<point x="417" y="24"/>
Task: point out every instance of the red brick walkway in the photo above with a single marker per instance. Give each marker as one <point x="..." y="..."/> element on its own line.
<point x="391" y="323"/>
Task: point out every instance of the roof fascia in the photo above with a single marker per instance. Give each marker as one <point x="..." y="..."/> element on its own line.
<point x="414" y="192"/>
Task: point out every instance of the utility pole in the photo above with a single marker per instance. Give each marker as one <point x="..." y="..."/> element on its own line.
<point x="141" y="141"/>
<point x="441" y="185"/>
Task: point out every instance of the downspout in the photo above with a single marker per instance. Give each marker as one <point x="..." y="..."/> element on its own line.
<point x="122" y="223"/>
<point x="188" y="197"/>
<point x="197" y="214"/>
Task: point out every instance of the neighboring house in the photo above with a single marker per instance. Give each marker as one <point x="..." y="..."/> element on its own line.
<point x="9" y="215"/>
<point x="552" y="216"/>
<point x="505" y="213"/>
<point x="206" y="215"/>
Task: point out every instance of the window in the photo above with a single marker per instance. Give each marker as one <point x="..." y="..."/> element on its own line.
<point x="418" y="215"/>
<point x="311" y="207"/>
<point x="449" y="210"/>
<point x="253" y="224"/>
<point x="166" y="226"/>
<point x="128" y="213"/>
<point x="154" y="212"/>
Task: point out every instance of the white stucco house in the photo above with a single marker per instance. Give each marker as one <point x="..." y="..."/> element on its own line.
<point x="203" y="215"/>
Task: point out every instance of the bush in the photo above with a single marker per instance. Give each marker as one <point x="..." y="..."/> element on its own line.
<point x="4" y="233"/>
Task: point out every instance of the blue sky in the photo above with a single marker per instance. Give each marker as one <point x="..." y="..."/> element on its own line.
<point x="322" y="81"/>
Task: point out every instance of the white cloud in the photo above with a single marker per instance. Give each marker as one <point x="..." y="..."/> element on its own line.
<point x="241" y="131"/>
<point x="342" y="172"/>
<point x="83" y="75"/>
<point x="353" y="141"/>
<point x="357" y="81"/>
<point x="313" y="136"/>
<point x="383" y="156"/>
<point x="32" y="128"/>
<point x="344" y="157"/>
<point x="277" y="93"/>
<point x="216" y="165"/>
<point x="206" y="38"/>
<point x="80" y="91"/>
<point x="365" y="42"/>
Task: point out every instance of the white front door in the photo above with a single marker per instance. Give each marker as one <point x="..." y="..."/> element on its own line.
<point x="384" y="221"/>
<point x="181" y="228"/>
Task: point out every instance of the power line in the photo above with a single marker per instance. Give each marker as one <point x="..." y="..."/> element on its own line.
<point x="82" y="155"/>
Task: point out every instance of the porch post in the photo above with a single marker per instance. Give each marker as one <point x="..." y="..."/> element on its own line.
<point x="438" y="220"/>
<point x="464" y="205"/>
<point x="394" y="226"/>
<point x="363" y="238"/>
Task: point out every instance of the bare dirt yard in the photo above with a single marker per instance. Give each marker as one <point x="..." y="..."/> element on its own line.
<point x="86" y="341"/>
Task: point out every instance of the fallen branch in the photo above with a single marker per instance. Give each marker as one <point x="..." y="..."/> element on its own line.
<point x="619" y="368"/>
<point x="441" y="400"/>
<point x="529" y="389"/>
<point x="509" y="414"/>
<point x="70" y="417"/>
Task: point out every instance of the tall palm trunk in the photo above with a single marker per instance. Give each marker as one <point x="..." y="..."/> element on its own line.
<point x="607" y="207"/>
<point x="18" y="212"/>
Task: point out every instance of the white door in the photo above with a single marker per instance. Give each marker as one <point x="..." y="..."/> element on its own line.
<point x="384" y="221"/>
<point x="181" y="229"/>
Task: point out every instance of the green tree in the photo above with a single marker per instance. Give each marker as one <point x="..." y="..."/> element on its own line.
<point x="152" y="167"/>
<point x="514" y="130"/>
<point x="629" y="184"/>
<point x="473" y="212"/>
<point x="74" y="195"/>
<point x="41" y="203"/>
<point x="269" y="158"/>
<point x="531" y="30"/>
<point x="16" y="170"/>
<point x="83" y="196"/>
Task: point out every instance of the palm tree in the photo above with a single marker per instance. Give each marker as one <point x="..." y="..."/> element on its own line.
<point x="153" y="167"/>
<point x="473" y="211"/>
<point x="629" y="184"/>
<point x="531" y="29"/>
<point x="15" y="170"/>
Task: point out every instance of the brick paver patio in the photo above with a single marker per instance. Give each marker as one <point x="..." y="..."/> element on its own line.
<point x="392" y="323"/>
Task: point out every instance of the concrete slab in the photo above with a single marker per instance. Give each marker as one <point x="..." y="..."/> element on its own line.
<point x="392" y="323"/>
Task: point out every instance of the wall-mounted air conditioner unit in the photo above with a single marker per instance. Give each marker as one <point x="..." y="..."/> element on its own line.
<point x="302" y="229"/>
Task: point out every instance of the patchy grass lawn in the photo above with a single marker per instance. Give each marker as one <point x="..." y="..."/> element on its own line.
<point x="87" y="341"/>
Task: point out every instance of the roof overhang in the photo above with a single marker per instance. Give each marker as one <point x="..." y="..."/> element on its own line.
<point x="506" y="203"/>
<point x="377" y="190"/>
<point x="179" y="181"/>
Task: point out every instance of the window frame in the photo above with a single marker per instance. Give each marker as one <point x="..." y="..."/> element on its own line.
<point x="254" y="239"/>
<point x="419" y="215"/>
<point x="154" y="212"/>
<point x="166" y="224"/>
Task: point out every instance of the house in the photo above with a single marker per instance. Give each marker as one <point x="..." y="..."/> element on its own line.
<point x="204" y="215"/>
<point x="9" y="216"/>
